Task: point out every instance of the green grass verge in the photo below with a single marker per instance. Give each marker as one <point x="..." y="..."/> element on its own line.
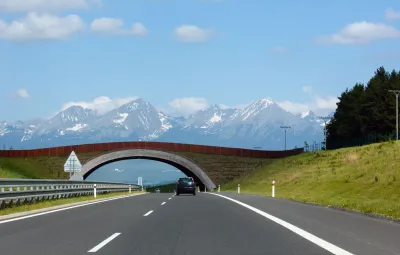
<point x="365" y="179"/>
<point x="167" y="188"/>
<point x="61" y="201"/>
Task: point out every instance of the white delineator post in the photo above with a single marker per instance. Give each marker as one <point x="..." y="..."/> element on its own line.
<point x="130" y="189"/>
<point x="273" y="188"/>
<point x="219" y="188"/>
<point x="94" y="191"/>
<point x="238" y="188"/>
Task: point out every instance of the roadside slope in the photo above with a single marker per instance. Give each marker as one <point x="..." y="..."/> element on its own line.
<point x="36" y="167"/>
<point x="365" y="179"/>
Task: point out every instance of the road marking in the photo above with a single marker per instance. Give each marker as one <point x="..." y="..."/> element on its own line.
<point x="163" y="203"/>
<point x="102" y="244"/>
<point x="147" y="214"/>
<point x="169" y="198"/>
<point x="65" y="208"/>
<point x="310" y="237"/>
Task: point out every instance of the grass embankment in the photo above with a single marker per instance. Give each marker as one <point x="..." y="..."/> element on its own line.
<point x="61" y="201"/>
<point x="166" y="188"/>
<point x="365" y="179"/>
<point x="37" y="167"/>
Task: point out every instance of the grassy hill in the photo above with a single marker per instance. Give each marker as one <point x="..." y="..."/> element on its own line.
<point x="365" y="179"/>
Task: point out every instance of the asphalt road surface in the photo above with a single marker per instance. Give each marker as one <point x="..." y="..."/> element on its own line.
<point x="202" y="224"/>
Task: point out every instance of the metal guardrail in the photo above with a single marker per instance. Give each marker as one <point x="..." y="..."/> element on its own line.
<point x="26" y="191"/>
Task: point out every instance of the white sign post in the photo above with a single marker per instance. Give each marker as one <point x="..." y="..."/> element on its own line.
<point x="72" y="164"/>
<point x="273" y="188"/>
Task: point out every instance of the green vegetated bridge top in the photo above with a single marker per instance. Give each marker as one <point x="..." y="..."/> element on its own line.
<point x="175" y="147"/>
<point x="207" y="164"/>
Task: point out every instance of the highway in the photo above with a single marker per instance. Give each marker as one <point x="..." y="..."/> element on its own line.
<point x="197" y="225"/>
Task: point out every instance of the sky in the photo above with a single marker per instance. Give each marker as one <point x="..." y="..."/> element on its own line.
<point x="183" y="55"/>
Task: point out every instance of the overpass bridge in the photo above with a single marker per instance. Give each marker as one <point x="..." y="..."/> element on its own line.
<point x="208" y="165"/>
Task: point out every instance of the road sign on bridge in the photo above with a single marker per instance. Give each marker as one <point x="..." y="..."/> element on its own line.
<point x="72" y="164"/>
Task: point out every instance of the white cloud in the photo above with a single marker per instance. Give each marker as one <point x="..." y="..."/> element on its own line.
<point x="45" y="5"/>
<point x="318" y="104"/>
<point x="41" y="27"/>
<point x="293" y="107"/>
<point x="191" y="34"/>
<point x="111" y="26"/>
<point x="101" y="104"/>
<point x="391" y="14"/>
<point x="188" y="105"/>
<point x="361" y="33"/>
<point x="278" y="49"/>
<point x="22" y="93"/>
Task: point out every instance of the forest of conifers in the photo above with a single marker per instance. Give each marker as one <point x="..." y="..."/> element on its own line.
<point x="366" y="113"/>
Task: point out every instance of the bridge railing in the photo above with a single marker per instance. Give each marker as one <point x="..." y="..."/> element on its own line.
<point x="14" y="192"/>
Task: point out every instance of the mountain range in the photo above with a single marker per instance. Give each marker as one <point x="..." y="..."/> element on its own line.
<point x="256" y="126"/>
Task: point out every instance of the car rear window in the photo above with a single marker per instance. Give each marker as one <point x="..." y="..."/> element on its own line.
<point x="185" y="180"/>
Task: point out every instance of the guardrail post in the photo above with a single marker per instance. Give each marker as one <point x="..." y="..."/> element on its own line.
<point x="130" y="189"/>
<point x="219" y="188"/>
<point x="273" y="188"/>
<point x="238" y="188"/>
<point x="94" y="191"/>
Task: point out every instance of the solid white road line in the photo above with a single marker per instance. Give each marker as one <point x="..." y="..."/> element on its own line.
<point x="65" y="208"/>
<point x="310" y="237"/>
<point x="163" y="203"/>
<point x="102" y="244"/>
<point x="147" y="214"/>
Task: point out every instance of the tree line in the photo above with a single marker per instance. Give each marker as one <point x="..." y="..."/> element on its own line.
<point x="366" y="113"/>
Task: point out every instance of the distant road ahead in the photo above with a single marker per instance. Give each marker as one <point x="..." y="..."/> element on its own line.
<point x="202" y="224"/>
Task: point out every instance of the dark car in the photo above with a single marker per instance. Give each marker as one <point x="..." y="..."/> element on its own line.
<point x="186" y="185"/>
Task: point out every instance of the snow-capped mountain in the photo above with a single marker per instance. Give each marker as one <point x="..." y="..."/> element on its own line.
<point x="257" y="125"/>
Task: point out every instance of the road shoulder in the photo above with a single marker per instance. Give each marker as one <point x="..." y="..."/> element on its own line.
<point x="62" y="207"/>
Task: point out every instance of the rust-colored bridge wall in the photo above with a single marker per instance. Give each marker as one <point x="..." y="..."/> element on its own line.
<point x="175" y="147"/>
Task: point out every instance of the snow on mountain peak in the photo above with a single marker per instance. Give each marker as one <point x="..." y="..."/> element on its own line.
<point x="304" y="114"/>
<point x="136" y="104"/>
<point x="74" y="114"/>
<point x="121" y="117"/>
<point x="215" y="118"/>
<point x="165" y="124"/>
<point x="256" y="107"/>
<point x="266" y="101"/>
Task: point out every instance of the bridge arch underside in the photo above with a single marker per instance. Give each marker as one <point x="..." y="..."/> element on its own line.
<point x="183" y="164"/>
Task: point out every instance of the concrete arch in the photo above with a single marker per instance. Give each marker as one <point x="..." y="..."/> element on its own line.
<point x="185" y="165"/>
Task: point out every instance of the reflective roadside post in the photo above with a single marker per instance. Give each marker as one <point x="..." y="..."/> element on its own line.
<point x="130" y="189"/>
<point x="273" y="188"/>
<point x="94" y="190"/>
<point x="238" y="188"/>
<point x="219" y="188"/>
